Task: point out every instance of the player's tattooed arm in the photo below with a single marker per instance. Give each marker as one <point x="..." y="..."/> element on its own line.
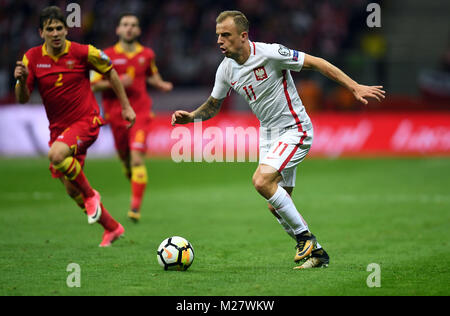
<point x="206" y="111"/>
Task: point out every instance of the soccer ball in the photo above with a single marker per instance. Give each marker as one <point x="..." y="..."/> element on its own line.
<point x="175" y="253"/>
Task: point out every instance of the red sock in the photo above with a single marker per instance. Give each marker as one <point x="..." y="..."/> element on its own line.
<point x="107" y="221"/>
<point x="82" y="183"/>
<point x="138" y="190"/>
<point x="138" y="185"/>
<point x="72" y="170"/>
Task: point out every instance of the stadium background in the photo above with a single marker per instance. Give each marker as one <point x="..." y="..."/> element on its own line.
<point x="409" y="55"/>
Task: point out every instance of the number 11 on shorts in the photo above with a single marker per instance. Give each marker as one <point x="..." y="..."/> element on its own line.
<point x="283" y="147"/>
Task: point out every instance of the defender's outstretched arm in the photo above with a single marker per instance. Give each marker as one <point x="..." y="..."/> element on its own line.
<point x="360" y="92"/>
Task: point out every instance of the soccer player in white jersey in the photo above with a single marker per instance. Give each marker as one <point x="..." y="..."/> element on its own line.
<point x="260" y="73"/>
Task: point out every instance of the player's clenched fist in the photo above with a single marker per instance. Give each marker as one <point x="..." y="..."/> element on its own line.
<point x="20" y="72"/>
<point x="182" y="117"/>
<point x="129" y="115"/>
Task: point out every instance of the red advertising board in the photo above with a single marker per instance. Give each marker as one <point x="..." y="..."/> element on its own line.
<point x="335" y="134"/>
<point x="235" y="136"/>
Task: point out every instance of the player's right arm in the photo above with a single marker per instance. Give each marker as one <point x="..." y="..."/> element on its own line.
<point x="211" y="107"/>
<point x="206" y="111"/>
<point x="21" y="75"/>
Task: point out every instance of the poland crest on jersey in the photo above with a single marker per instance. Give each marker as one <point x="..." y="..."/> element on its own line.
<point x="260" y="73"/>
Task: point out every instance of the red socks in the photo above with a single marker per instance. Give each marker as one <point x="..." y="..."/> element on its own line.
<point x="138" y="185"/>
<point x="71" y="169"/>
<point x="107" y="221"/>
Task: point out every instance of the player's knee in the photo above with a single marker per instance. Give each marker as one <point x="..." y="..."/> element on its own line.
<point x="56" y="156"/>
<point x="256" y="182"/>
<point x="136" y="162"/>
<point x="260" y="182"/>
<point x="137" y="158"/>
<point x="58" y="152"/>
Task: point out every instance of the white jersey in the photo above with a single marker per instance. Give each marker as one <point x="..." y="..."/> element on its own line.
<point x="265" y="81"/>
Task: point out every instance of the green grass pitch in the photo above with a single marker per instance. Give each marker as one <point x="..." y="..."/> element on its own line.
<point x="392" y="212"/>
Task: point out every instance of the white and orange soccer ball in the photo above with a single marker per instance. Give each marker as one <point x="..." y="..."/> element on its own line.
<point x="175" y="253"/>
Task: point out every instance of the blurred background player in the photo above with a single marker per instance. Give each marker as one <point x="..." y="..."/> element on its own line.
<point x="260" y="73"/>
<point x="136" y="67"/>
<point x="60" y="70"/>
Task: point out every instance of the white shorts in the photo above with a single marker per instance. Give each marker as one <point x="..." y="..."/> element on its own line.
<point x="284" y="151"/>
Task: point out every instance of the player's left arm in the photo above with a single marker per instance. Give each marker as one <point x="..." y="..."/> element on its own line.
<point x="360" y="92"/>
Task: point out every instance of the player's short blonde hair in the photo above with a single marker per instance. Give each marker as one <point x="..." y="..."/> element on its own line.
<point x="239" y="18"/>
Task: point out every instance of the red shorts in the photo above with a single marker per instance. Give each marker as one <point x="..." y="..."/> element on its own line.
<point x="79" y="137"/>
<point x="134" y="138"/>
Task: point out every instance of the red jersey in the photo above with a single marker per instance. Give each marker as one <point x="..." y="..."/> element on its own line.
<point x="139" y="65"/>
<point x="63" y="81"/>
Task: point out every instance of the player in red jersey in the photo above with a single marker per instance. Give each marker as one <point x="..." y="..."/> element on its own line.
<point x="60" y="70"/>
<point x="136" y="66"/>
